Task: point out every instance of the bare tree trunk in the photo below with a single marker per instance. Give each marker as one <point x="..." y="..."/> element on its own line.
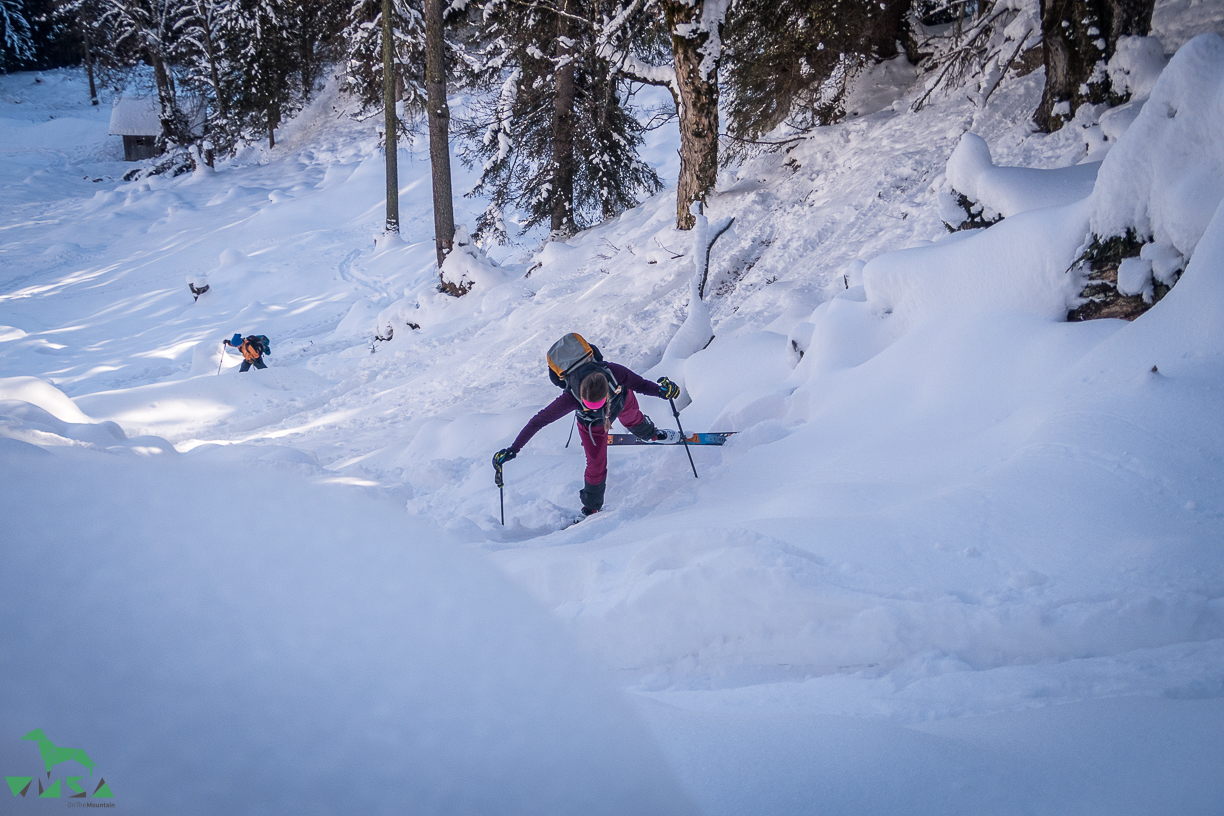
<point x="1077" y="37"/>
<point x="392" y="143"/>
<point x="210" y="51"/>
<point x="439" y="129"/>
<point x="604" y="87"/>
<point x="306" y="61"/>
<point x="698" y="106"/>
<point x="89" y="67"/>
<point x="890" y="28"/>
<point x="564" y="165"/>
<point x="167" y="104"/>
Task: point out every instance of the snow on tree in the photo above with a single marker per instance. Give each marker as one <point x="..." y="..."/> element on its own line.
<point x="16" y="35"/>
<point x="265" y="51"/>
<point x="206" y="48"/>
<point x="696" y="34"/>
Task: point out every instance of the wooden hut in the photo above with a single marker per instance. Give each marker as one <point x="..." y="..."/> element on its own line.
<point x="136" y="119"/>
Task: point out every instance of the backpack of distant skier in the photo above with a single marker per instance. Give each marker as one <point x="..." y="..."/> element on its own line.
<point x="570" y="360"/>
<point x="262" y="343"/>
<point x="255" y="346"/>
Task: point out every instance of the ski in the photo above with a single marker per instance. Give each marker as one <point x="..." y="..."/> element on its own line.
<point x="692" y="439"/>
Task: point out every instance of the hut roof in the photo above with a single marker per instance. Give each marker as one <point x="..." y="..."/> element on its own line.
<point x="135" y="116"/>
<point x="138" y="115"/>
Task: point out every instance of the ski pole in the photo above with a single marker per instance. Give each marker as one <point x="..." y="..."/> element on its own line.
<point x="221" y="362"/>
<point x="683" y="438"/>
<point x="571" y="436"/>
<point x="501" y="492"/>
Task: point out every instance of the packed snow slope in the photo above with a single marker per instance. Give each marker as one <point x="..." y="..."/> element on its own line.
<point x="961" y="556"/>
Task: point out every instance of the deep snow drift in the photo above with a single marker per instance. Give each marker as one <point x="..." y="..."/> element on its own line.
<point x="961" y="556"/>
<point x="291" y="650"/>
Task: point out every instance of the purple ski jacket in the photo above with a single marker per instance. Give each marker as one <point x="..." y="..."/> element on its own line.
<point x="567" y="402"/>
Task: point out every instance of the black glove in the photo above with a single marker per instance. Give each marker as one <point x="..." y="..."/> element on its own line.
<point x="502" y="456"/>
<point x="670" y="389"/>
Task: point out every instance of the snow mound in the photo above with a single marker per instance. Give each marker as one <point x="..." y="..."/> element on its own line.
<point x="1018" y="264"/>
<point x="1011" y="190"/>
<point x="180" y="409"/>
<point x="36" y="415"/>
<point x="43" y="394"/>
<point x="1165" y="177"/>
<point x="1136" y="65"/>
<point x="199" y="653"/>
<point x="466" y="267"/>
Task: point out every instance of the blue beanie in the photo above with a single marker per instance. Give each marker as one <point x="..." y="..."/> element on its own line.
<point x="236" y="340"/>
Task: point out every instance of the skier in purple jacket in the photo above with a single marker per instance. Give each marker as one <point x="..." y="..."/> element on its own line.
<point x="598" y="392"/>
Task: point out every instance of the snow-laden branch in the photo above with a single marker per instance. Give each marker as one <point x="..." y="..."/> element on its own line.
<point x="986" y="49"/>
<point x="18" y="36"/>
<point x="500" y="128"/>
<point x="627" y="64"/>
<point x="639" y="70"/>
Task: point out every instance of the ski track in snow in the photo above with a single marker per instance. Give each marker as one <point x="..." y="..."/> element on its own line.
<point x="993" y="515"/>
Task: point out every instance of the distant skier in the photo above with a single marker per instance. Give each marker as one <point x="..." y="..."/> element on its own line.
<point x="598" y="392"/>
<point x="253" y="349"/>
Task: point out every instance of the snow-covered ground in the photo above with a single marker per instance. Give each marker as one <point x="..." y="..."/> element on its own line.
<point x="960" y="557"/>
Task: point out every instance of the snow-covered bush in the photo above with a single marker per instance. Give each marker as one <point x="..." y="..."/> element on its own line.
<point x="467" y="268"/>
<point x="1166" y="177"/>
<point x="1161" y="183"/>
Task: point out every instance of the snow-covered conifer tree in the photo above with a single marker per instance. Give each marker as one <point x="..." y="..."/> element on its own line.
<point x="208" y="50"/>
<point x="363" y="55"/>
<point x="556" y="138"/>
<point x="695" y="30"/>
<point x="16" y="35"/>
<point x="265" y="49"/>
<point x="791" y="58"/>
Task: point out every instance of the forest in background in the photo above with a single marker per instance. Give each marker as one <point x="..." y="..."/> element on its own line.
<point x="553" y="124"/>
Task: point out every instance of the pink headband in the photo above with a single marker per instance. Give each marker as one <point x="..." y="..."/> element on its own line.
<point x="594" y="405"/>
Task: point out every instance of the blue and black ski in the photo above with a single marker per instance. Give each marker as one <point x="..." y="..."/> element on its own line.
<point x="693" y="439"/>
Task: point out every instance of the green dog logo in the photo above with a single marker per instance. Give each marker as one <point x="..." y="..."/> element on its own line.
<point x="53" y="755"/>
